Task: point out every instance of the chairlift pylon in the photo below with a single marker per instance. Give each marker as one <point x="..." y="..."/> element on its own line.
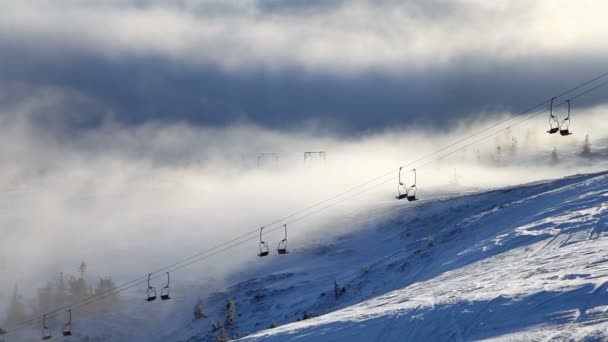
<point x="264" y="250"/>
<point x="273" y="156"/>
<point x="164" y="293"/>
<point x="67" y="328"/>
<point x="151" y="291"/>
<point x="566" y="122"/>
<point x="46" y="332"/>
<point x="282" y="249"/>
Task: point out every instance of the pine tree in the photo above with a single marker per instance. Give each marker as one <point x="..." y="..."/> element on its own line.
<point x="338" y="290"/>
<point x="230" y="313"/>
<point x="78" y="288"/>
<point x="223" y="336"/>
<point x="16" y="309"/>
<point x="586" y="146"/>
<point x="198" y="310"/>
<point x="554" y="156"/>
<point x="82" y="269"/>
<point x="60" y="296"/>
<point x="514" y="143"/>
<point x="45" y="298"/>
<point x="105" y="288"/>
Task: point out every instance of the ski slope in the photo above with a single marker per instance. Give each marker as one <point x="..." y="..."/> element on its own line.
<point x="523" y="263"/>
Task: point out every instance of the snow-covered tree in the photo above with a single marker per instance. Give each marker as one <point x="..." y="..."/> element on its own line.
<point x="198" y="310"/>
<point x="230" y="313"/>
<point x="586" y="146"/>
<point x="16" y="308"/>
<point x="554" y="156"/>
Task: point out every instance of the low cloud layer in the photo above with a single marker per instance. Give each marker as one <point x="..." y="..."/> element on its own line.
<point x="336" y="36"/>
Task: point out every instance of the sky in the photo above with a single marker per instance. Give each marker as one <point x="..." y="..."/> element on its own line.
<point x="348" y="67"/>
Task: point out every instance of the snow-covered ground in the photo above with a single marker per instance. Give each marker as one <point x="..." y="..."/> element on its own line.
<point x="523" y="263"/>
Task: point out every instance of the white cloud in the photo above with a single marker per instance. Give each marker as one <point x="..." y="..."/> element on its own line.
<point x="347" y="36"/>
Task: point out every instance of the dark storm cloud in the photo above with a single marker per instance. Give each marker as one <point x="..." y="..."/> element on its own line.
<point x="143" y="89"/>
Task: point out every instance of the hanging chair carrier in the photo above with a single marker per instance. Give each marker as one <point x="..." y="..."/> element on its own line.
<point x="164" y="293"/>
<point x="67" y="328"/>
<point x="401" y="187"/>
<point x="264" y="250"/>
<point x="411" y="191"/>
<point x="553" y="122"/>
<point x="564" y="128"/>
<point x="46" y="332"/>
<point x="282" y="249"/>
<point x="151" y="291"/>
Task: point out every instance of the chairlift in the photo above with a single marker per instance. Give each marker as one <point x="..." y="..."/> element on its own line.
<point x="566" y="122"/>
<point x="264" y="250"/>
<point x="46" y="332"/>
<point x="151" y="291"/>
<point x="410" y="193"/>
<point x="320" y="154"/>
<point x="67" y="328"/>
<point x="553" y="122"/>
<point x="164" y="293"/>
<point x="282" y="249"/>
<point x="401" y="187"/>
<point x="273" y="156"/>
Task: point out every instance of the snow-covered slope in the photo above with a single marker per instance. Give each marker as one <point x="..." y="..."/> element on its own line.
<point x="524" y="263"/>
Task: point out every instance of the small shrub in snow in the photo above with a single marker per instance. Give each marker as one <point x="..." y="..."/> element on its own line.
<point x="215" y="326"/>
<point x="554" y="156"/>
<point x="223" y="336"/>
<point x="365" y="270"/>
<point x="273" y="325"/>
<point x="198" y="310"/>
<point x="337" y="290"/>
<point x="230" y="312"/>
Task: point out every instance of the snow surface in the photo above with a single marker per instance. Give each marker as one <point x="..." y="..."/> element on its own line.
<point x="526" y="263"/>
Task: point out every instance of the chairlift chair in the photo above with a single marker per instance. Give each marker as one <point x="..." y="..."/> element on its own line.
<point x="151" y="291"/>
<point x="282" y="249"/>
<point x="67" y="328"/>
<point x="411" y="191"/>
<point x="553" y="122"/>
<point x="566" y="122"/>
<point x="264" y="250"/>
<point x="164" y="293"/>
<point x="401" y="186"/>
<point x="46" y="332"/>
